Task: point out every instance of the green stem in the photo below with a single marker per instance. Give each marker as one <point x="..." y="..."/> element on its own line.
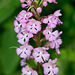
<point x="13" y="47"/>
<point x="30" y="7"/>
<point x="39" y="68"/>
<point x="38" y="40"/>
<point x="38" y="36"/>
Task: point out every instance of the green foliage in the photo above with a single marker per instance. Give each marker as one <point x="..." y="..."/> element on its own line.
<point x="32" y="63"/>
<point x="7" y="7"/>
<point x="66" y="62"/>
<point x="9" y="58"/>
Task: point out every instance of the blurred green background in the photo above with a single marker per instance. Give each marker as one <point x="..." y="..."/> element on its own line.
<point x="10" y="62"/>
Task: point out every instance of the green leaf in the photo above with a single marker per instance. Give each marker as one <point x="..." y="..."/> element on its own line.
<point x="7" y="7"/>
<point x="32" y="63"/>
<point x="9" y="58"/>
<point x="68" y="55"/>
<point x="65" y="62"/>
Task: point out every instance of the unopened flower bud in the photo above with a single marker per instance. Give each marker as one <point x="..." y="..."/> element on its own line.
<point x="39" y="9"/>
<point x="45" y="3"/>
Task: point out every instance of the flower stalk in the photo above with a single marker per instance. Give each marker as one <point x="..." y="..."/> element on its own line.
<point x="28" y="24"/>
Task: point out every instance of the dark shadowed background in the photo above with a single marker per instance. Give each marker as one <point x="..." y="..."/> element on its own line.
<point x="10" y="62"/>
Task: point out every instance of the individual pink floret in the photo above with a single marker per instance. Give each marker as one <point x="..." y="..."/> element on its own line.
<point x="56" y="44"/>
<point x="53" y="20"/>
<point x="50" y="67"/>
<point x="19" y="27"/>
<point x="24" y="51"/>
<point x="28" y="71"/>
<point x="56" y="15"/>
<point x="33" y="26"/>
<point x="23" y="62"/>
<point x="40" y="54"/>
<point x="23" y="16"/>
<point x="26" y="3"/>
<point x="24" y="38"/>
<point x="51" y="35"/>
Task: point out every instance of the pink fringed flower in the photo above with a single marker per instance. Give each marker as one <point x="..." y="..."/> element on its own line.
<point x="19" y="27"/>
<point x="50" y="67"/>
<point x="23" y="16"/>
<point x="56" y="44"/>
<point x="24" y="51"/>
<point x="26" y="4"/>
<point x="34" y="26"/>
<point x="24" y="38"/>
<point x="50" y="35"/>
<point x="28" y="71"/>
<point x="53" y="20"/>
<point x="56" y="15"/>
<point x="40" y="54"/>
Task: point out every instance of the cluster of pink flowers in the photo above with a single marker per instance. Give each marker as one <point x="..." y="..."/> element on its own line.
<point x="28" y="24"/>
